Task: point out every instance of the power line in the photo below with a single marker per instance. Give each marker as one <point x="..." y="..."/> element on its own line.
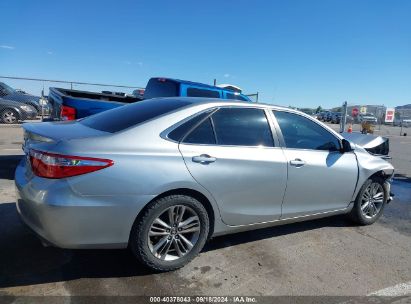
<point x="72" y="82"/>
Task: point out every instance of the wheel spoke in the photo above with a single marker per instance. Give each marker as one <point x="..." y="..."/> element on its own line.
<point x="171" y="215"/>
<point x="180" y="213"/>
<point x="161" y="223"/>
<point x="366" y="194"/>
<point x="188" y="243"/>
<point x="157" y="231"/>
<point x="166" y="249"/>
<point x="188" y="221"/>
<point x="365" y="205"/>
<point x="373" y="209"/>
<point x="177" y="242"/>
<point x="159" y="244"/>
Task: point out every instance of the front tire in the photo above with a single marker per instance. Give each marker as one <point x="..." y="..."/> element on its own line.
<point x="370" y="202"/>
<point x="9" y="116"/>
<point x="170" y="232"/>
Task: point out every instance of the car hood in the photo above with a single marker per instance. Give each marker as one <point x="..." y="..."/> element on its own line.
<point x="23" y="97"/>
<point x="372" y="143"/>
<point x="6" y="102"/>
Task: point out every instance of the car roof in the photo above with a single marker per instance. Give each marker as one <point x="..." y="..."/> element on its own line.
<point x="197" y="84"/>
<point x="197" y="101"/>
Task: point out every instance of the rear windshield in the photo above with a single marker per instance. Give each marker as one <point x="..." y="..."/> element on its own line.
<point x="160" y="87"/>
<point x="123" y="117"/>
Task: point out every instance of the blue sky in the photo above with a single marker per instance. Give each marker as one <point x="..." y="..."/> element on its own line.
<point x="294" y="52"/>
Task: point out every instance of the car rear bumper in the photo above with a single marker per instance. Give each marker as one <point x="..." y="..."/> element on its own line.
<point x="63" y="218"/>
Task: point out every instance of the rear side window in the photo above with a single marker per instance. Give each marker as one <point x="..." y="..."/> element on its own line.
<point x="203" y="134"/>
<point x="242" y="127"/>
<point x="160" y="87"/>
<point x="178" y="133"/>
<point x="123" y="117"/>
<point x="301" y="133"/>
<point x="195" y="92"/>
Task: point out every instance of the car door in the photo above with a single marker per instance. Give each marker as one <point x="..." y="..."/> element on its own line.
<point x="233" y="155"/>
<point x="320" y="177"/>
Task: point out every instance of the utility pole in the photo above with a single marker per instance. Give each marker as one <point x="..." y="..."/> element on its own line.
<point x="343" y="117"/>
<point x="215" y="81"/>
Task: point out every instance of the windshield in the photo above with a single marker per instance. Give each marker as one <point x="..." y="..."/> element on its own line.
<point x="6" y="89"/>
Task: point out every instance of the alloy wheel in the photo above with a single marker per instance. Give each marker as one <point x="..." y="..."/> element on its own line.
<point x="9" y="117"/>
<point x="174" y="233"/>
<point x="372" y="200"/>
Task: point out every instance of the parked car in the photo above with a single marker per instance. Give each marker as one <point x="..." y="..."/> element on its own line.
<point x="322" y="115"/>
<point x="139" y="93"/>
<point x="335" y="117"/>
<point x="73" y="104"/>
<point x="367" y="117"/>
<point x="402" y="122"/>
<point x="174" y="172"/>
<point x="9" y="93"/>
<point x="12" y="112"/>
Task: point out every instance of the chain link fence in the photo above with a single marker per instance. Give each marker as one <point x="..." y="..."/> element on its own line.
<point x="25" y="99"/>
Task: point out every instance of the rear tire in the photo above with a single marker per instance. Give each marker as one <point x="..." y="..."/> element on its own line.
<point x="9" y="116"/>
<point x="370" y="202"/>
<point x="170" y="232"/>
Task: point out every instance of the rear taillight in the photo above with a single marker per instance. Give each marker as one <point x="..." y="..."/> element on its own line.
<point x="50" y="165"/>
<point x="68" y="113"/>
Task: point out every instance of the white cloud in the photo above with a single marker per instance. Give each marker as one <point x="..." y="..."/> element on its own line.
<point x="130" y="62"/>
<point x="226" y="75"/>
<point x="8" y="47"/>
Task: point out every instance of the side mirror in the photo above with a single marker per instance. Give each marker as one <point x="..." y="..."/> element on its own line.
<point x="345" y="146"/>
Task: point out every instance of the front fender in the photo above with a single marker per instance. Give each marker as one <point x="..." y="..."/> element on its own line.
<point x="369" y="165"/>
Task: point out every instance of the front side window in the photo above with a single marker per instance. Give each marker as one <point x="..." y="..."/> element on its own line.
<point x="301" y="133"/>
<point x="195" y="92"/>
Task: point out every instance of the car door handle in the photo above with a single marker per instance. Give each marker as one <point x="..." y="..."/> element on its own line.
<point x="297" y="162"/>
<point x="204" y="159"/>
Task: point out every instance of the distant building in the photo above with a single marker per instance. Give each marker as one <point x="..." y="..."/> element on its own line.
<point x="403" y="111"/>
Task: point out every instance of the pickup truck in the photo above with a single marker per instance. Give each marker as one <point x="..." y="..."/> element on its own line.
<point x="74" y="104"/>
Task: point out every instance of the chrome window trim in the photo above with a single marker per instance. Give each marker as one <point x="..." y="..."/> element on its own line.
<point x="274" y="134"/>
<point x="280" y="134"/>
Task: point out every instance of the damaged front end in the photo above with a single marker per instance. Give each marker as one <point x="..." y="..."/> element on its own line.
<point x="373" y="144"/>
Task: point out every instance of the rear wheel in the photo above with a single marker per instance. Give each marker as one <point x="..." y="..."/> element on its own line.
<point x="9" y="116"/>
<point x="170" y="233"/>
<point x="370" y="202"/>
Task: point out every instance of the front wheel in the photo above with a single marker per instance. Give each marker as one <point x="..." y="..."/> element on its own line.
<point x="9" y="116"/>
<point x="370" y="202"/>
<point x="170" y="232"/>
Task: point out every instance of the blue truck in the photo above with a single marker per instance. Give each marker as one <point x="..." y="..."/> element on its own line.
<point x="74" y="104"/>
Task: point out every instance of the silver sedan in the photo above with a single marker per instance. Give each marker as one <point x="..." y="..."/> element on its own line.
<point x="162" y="176"/>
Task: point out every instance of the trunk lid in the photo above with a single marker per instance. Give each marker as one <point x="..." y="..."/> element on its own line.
<point x="44" y="135"/>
